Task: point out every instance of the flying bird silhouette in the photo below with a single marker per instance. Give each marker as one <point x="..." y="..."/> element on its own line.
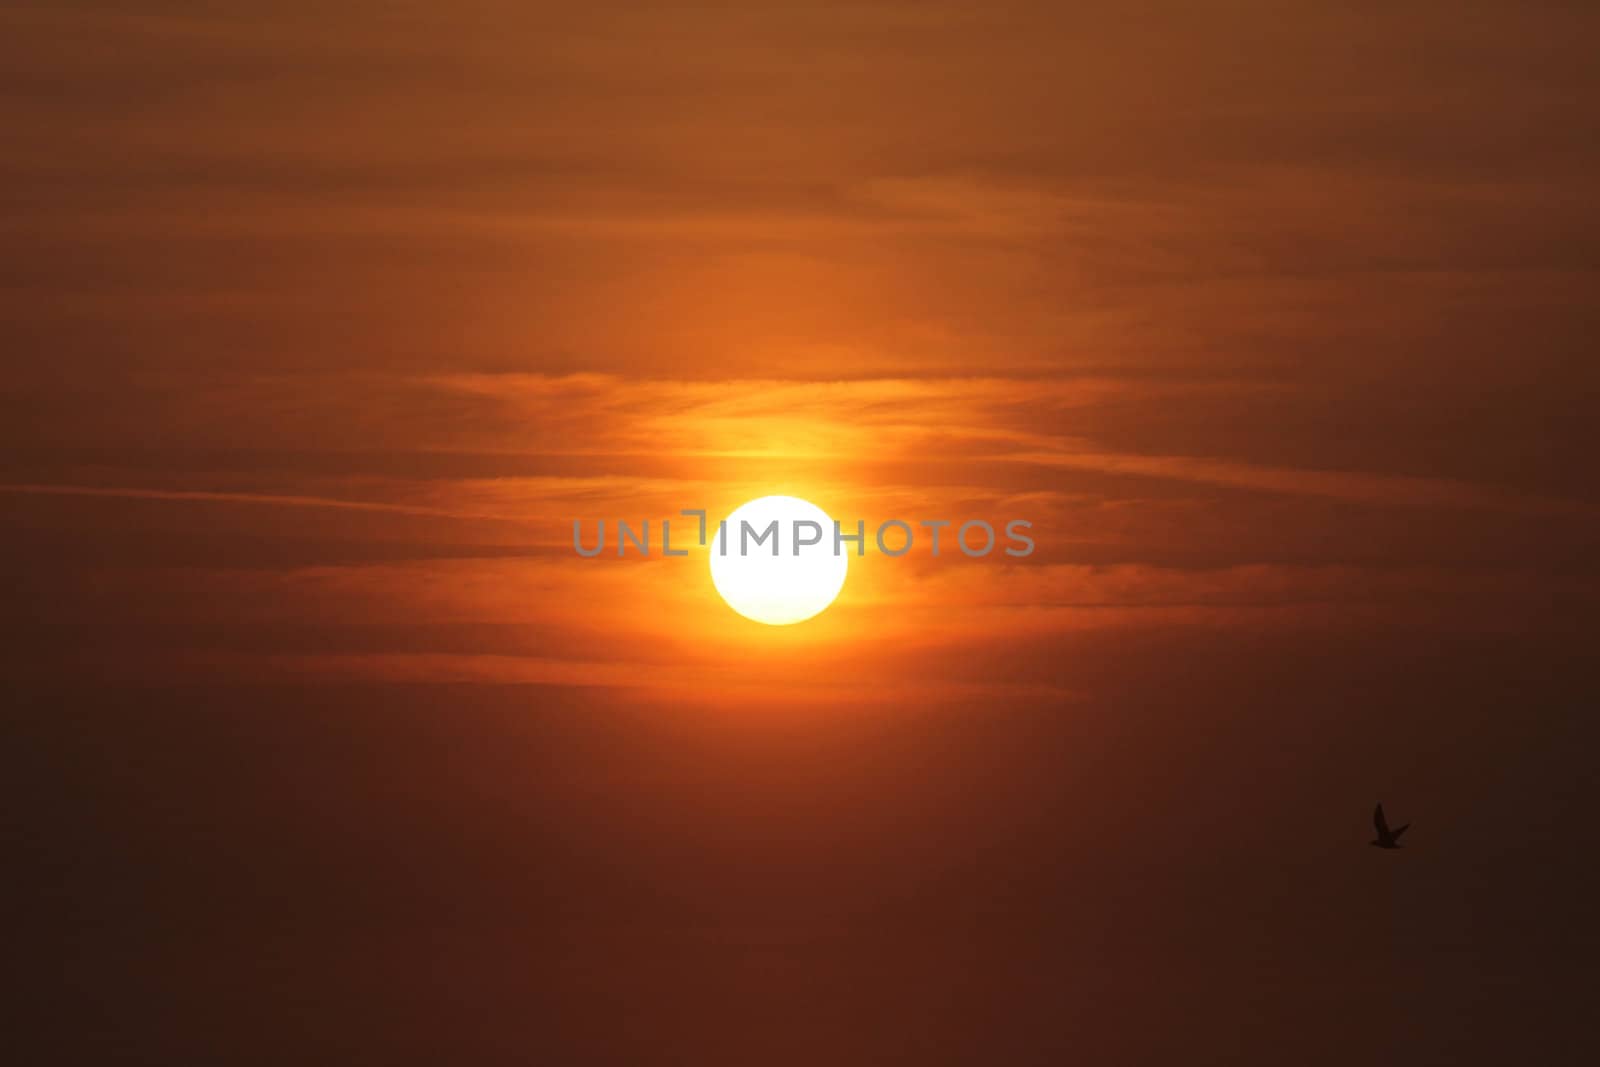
<point x="1386" y="838"/>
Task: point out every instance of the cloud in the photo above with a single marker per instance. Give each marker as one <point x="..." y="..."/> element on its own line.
<point x="264" y="499"/>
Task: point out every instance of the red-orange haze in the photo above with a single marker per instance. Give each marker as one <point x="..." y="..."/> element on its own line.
<point x="323" y="322"/>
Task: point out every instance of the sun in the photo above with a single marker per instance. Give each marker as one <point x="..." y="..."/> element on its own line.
<point x="773" y="560"/>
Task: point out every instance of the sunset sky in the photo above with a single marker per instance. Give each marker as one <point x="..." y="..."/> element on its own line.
<point x="323" y="322"/>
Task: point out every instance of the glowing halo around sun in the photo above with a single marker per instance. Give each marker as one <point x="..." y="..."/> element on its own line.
<point x="785" y="588"/>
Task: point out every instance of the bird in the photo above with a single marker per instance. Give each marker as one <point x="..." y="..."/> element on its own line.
<point x="1386" y="838"/>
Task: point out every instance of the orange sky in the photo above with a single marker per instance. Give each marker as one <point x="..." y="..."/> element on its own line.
<point x="323" y="322"/>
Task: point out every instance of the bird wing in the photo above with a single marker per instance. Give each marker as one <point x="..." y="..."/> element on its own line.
<point x="1380" y="822"/>
<point x="1400" y="830"/>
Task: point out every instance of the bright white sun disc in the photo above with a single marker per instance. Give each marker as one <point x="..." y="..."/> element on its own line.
<point x="780" y="581"/>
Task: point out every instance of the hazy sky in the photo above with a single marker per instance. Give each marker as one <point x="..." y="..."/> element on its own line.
<point x="322" y="322"/>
